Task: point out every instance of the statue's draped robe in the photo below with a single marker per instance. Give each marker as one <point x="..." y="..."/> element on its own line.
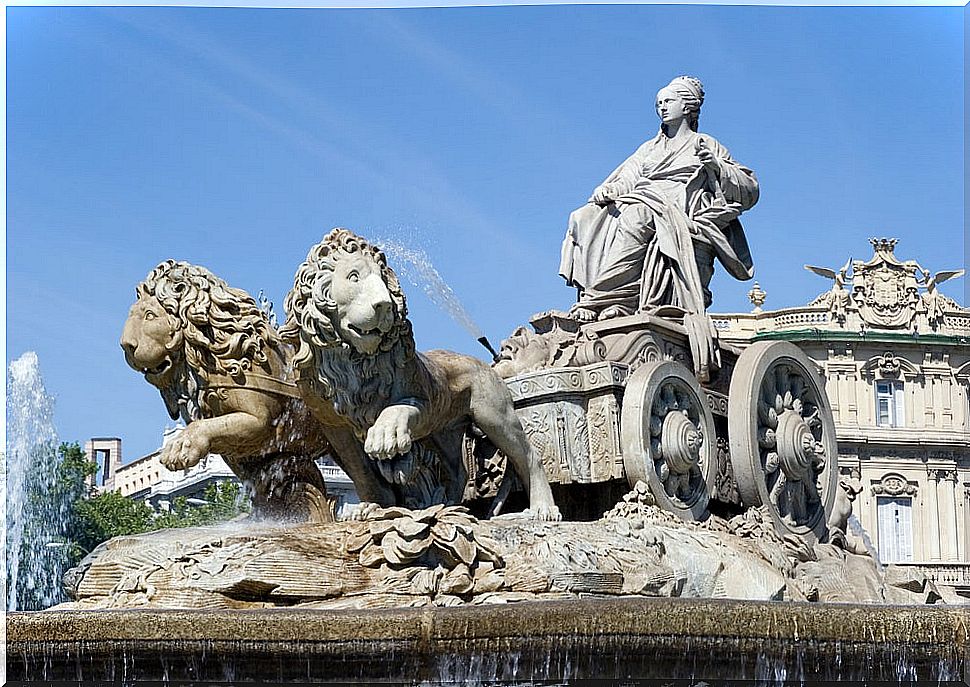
<point x="655" y="244"/>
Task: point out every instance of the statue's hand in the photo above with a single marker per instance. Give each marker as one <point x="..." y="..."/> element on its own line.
<point x="707" y="158"/>
<point x="603" y="195"/>
<point x="187" y="449"/>
<point x="391" y="434"/>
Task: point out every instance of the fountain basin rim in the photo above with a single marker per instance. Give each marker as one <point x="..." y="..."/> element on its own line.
<point x="684" y="618"/>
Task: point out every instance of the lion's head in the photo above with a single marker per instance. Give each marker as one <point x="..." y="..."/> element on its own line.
<point x="186" y="325"/>
<point x="345" y="295"/>
<point x="347" y="317"/>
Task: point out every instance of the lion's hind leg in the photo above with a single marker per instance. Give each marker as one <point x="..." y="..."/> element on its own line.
<point x="493" y="412"/>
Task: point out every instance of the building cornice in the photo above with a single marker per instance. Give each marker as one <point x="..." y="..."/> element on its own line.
<point x="866" y="337"/>
<point x="902" y="437"/>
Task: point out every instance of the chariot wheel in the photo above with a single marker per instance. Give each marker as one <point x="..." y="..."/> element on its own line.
<point x="782" y="437"/>
<point x="668" y="437"/>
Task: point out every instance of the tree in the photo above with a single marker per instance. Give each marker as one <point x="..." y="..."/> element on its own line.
<point x="109" y="514"/>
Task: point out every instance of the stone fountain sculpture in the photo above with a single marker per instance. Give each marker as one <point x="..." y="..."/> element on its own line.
<point x="684" y="469"/>
<point x="647" y="238"/>
<point x="703" y="470"/>
<point x="346" y="306"/>
<point x="347" y="316"/>
<point x="220" y="367"/>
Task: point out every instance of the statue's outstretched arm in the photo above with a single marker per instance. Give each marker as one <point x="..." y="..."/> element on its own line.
<point x="622" y="179"/>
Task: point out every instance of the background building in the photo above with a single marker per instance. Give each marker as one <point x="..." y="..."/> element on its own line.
<point x="146" y="479"/>
<point x="895" y="353"/>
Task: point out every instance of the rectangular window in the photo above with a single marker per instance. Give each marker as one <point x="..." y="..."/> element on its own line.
<point x="895" y="527"/>
<point x="889" y="404"/>
<point x="102" y="457"/>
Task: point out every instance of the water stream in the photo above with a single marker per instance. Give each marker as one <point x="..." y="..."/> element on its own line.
<point x="416" y="267"/>
<point x="34" y="544"/>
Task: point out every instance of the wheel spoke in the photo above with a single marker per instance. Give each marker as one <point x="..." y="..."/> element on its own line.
<point x="782" y="437"/>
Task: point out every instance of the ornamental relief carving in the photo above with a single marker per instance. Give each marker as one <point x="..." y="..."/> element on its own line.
<point x="885" y="288"/>
<point x="888" y="293"/>
<point x="889" y="366"/>
<point x="894" y="485"/>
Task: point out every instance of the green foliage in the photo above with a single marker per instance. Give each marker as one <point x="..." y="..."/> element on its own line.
<point x="224" y="502"/>
<point x="107" y="515"/>
<point x="110" y="514"/>
<point x="73" y="471"/>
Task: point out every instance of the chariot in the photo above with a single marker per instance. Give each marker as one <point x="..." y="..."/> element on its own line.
<point x="616" y="403"/>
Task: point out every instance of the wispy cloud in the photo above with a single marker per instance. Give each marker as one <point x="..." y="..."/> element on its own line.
<point x="349" y="141"/>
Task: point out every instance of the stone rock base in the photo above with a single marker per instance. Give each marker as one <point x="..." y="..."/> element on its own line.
<point x="442" y="556"/>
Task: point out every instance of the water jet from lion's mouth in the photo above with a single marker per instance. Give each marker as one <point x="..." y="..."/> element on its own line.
<point x="415" y="265"/>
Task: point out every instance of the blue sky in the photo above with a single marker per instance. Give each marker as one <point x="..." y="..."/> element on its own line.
<point x="235" y="138"/>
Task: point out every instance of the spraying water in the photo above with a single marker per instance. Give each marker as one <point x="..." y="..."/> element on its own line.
<point x="414" y="265"/>
<point x="34" y="521"/>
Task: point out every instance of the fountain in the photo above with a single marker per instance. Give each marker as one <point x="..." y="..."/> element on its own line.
<point x="618" y="497"/>
<point x="34" y="547"/>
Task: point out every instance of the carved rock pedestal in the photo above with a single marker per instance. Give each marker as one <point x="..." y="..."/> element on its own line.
<point x="442" y="556"/>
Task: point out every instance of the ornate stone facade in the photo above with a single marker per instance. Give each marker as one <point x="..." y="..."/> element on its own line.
<point x="896" y="357"/>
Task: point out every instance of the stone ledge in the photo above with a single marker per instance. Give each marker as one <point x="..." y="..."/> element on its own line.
<point x="902" y="436"/>
<point x="581" y="639"/>
<point x="647" y="617"/>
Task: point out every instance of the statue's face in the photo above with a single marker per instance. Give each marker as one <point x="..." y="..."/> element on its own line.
<point x="365" y="312"/>
<point x="670" y="107"/>
<point x="151" y="341"/>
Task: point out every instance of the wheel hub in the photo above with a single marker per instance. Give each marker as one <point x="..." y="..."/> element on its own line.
<point x="796" y="445"/>
<point x="681" y="442"/>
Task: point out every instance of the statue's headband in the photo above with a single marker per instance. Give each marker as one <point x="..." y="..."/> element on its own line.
<point x="690" y="90"/>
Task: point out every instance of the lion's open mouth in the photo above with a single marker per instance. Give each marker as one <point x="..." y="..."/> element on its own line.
<point x="157" y="370"/>
<point x="373" y="331"/>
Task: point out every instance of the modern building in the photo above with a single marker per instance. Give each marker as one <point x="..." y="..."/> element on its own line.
<point x="895" y="354"/>
<point x="146" y="479"/>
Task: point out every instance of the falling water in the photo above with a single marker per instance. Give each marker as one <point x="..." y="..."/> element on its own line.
<point x="31" y="468"/>
<point x="414" y="265"/>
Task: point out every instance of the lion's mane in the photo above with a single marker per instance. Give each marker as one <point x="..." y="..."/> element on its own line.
<point x="221" y="331"/>
<point x="358" y="385"/>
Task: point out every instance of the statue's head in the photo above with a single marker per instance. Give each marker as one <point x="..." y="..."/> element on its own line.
<point x="188" y="324"/>
<point x="345" y="295"/>
<point x="681" y="98"/>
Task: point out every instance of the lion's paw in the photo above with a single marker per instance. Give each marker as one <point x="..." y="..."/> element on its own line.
<point x="546" y="513"/>
<point x="185" y="450"/>
<point x="391" y="434"/>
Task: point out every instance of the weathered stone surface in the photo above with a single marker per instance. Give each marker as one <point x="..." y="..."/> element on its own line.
<point x="411" y="412"/>
<point x="221" y="368"/>
<point x="442" y="556"/>
<point x="647" y="238"/>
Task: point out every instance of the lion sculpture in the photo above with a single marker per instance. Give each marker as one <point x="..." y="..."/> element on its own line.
<point x="220" y="367"/>
<point x="347" y="318"/>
